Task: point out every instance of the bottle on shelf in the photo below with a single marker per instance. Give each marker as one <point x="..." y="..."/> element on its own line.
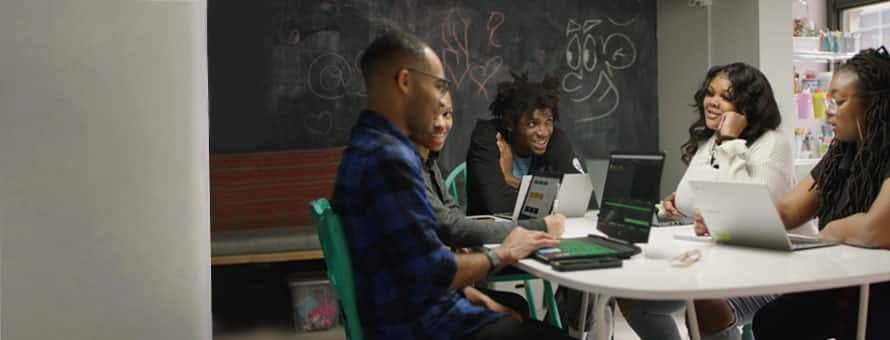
<point x="804" y="104"/>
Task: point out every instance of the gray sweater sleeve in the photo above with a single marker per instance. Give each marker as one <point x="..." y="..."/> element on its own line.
<point x="456" y="230"/>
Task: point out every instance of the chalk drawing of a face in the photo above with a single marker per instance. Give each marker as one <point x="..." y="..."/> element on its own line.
<point x="593" y="60"/>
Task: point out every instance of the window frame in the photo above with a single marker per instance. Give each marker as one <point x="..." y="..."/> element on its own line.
<point x="837" y="7"/>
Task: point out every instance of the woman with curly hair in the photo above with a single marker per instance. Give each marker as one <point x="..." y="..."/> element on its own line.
<point x="735" y="138"/>
<point x="849" y="191"/>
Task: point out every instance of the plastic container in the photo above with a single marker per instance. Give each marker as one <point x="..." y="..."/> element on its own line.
<point x="314" y="303"/>
<point x="818" y="104"/>
<point x="804" y="104"/>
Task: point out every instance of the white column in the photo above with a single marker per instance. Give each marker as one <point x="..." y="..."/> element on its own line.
<point x="774" y="43"/>
<point x="103" y="170"/>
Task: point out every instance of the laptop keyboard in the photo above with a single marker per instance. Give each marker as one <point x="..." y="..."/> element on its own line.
<point x="583" y="247"/>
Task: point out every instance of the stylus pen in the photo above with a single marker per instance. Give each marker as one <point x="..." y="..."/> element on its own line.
<point x="693" y="238"/>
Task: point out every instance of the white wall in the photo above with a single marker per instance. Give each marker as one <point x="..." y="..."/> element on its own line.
<point x="815" y="10"/>
<point x="682" y="64"/>
<point x="774" y="56"/>
<point x="734" y="32"/>
<point x="103" y="179"/>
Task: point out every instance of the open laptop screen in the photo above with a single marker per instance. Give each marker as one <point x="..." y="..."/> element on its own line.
<point x="539" y="198"/>
<point x="632" y="185"/>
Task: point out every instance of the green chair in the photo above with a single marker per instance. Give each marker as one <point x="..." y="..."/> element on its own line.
<point x="336" y="256"/>
<point x="747" y="332"/>
<point x="451" y="184"/>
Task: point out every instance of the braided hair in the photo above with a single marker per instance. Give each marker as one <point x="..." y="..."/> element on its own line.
<point x="751" y="94"/>
<point x="518" y="97"/>
<point x="872" y="67"/>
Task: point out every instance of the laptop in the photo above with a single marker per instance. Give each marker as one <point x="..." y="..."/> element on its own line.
<point x="573" y="198"/>
<point x="756" y="223"/>
<point x="541" y="195"/>
<point x="633" y="181"/>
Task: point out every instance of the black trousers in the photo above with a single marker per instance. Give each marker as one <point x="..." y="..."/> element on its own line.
<point x="511" y="329"/>
<point x="824" y="314"/>
<point x="507" y="328"/>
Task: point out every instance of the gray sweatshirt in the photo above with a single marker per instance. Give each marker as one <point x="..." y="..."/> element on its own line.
<point x="453" y="226"/>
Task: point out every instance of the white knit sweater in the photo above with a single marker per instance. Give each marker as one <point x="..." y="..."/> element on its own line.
<point x="768" y="160"/>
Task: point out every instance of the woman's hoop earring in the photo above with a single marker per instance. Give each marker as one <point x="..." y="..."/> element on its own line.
<point x="859" y="127"/>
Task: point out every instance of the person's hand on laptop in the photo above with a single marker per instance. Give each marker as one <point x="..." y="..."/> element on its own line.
<point x="700" y="227"/>
<point x="670" y="205"/>
<point x="521" y="242"/>
<point x="480" y="299"/>
<point x="555" y="224"/>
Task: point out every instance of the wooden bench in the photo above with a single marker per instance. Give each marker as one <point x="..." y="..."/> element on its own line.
<point x="259" y="204"/>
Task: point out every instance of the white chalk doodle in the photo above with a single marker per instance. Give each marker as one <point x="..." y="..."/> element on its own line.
<point x="587" y="77"/>
<point x="630" y="20"/>
<point x="457" y="58"/>
<point x="620" y="51"/>
<point x="329" y="76"/>
<point x="320" y="123"/>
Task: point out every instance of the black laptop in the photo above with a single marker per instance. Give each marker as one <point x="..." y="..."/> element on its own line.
<point x="632" y="188"/>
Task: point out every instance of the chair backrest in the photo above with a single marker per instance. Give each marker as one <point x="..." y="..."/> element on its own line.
<point x="336" y="256"/>
<point x="451" y="180"/>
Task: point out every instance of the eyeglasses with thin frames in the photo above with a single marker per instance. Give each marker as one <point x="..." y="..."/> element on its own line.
<point x="831" y="105"/>
<point x="442" y="85"/>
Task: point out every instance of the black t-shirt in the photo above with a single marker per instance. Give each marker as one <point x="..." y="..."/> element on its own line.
<point x="831" y="208"/>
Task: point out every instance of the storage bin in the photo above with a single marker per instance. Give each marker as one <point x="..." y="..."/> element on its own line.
<point x="314" y="303"/>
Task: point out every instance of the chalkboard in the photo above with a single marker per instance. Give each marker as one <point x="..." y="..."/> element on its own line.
<point x="283" y="73"/>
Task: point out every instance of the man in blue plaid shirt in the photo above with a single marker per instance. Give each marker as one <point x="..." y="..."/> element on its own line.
<point x="408" y="284"/>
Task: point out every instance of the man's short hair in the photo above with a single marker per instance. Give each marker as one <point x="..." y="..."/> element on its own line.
<point x="389" y="47"/>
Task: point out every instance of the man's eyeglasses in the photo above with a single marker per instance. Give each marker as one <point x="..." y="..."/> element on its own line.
<point x="442" y="85"/>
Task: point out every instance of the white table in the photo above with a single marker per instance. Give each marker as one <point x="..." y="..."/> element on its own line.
<point x="723" y="271"/>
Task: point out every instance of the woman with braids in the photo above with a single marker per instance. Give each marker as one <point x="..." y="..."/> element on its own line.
<point x="734" y="139"/>
<point x="849" y="191"/>
<point x="520" y="140"/>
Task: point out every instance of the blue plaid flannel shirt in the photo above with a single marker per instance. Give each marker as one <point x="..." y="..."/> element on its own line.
<point x="402" y="271"/>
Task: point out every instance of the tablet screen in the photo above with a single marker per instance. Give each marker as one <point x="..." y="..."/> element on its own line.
<point x="539" y="198"/>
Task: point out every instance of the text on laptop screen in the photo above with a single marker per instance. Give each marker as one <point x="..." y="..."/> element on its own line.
<point x="632" y="185"/>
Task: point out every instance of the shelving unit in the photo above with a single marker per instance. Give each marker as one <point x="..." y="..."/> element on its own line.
<point x="831" y="58"/>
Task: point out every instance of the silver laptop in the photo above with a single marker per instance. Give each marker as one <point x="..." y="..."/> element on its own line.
<point x="535" y="200"/>
<point x="574" y="194"/>
<point x="517" y="206"/>
<point x="743" y="214"/>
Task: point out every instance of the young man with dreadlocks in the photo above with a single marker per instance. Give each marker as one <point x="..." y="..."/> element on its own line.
<point x="849" y="191"/>
<point x="520" y="140"/>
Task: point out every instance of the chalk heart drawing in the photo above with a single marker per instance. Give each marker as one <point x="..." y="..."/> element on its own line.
<point x="481" y="74"/>
<point x="329" y="76"/>
<point x="320" y="123"/>
<point x="456" y="54"/>
<point x="592" y="61"/>
<point x="455" y="38"/>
